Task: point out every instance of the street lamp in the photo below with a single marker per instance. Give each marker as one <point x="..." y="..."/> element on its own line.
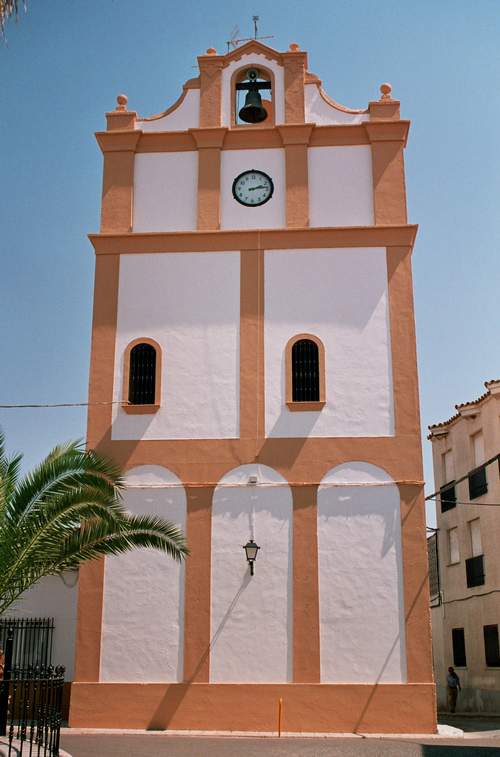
<point x="251" y="549"/>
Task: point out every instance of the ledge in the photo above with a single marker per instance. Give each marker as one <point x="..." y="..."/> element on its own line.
<point x="295" y="407"/>
<point x="140" y="409"/>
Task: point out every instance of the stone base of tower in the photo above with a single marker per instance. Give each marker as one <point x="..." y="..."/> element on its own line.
<point x="307" y="708"/>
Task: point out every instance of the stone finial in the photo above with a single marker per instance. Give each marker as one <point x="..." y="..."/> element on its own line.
<point x="122" y="101"/>
<point x="294" y="47"/>
<point x="386" y="90"/>
<point x="211" y="51"/>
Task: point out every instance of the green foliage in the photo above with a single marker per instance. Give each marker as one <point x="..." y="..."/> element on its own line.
<point x="64" y="512"/>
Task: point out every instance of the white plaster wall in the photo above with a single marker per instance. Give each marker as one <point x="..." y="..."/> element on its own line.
<point x="186" y="116"/>
<point x="190" y="304"/>
<point x="362" y="632"/>
<point x="237" y="216"/>
<point x="251" y="620"/>
<point x="165" y="191"/>
<point x="340" y="186"/>
<point x="319" y="112"/>
<point x="142" y="629"/>
<point x="54" y="597"/>
<point x="251" y="60"/>
<point x="340" y="295"/>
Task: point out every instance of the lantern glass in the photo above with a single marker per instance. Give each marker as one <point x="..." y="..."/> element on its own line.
<point x="251" y="550"/>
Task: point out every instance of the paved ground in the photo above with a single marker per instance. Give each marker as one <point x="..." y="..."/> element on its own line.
<point x="161" y="745"/>
<point x="471" y="723"/>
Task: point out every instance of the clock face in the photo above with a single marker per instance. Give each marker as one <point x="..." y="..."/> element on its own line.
<point x="253" y="188"/>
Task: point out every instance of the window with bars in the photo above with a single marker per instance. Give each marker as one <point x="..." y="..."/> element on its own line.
<point x="142" y="375"/>
<point x="458" y="642"/>
<point x="305" y="371"/>
<point x="491" y="647"/>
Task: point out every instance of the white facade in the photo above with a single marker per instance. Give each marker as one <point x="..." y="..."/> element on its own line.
<point x="340" y="296"/>
<point x="190" y="304"/>
<point x="143" y="611"/>
<point x="251" y="619"/>
<point x="360" y="577"/>
<point x="165" y="191"/>
<point x="340" y="186"/>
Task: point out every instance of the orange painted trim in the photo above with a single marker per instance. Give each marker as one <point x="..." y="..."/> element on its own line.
<point x="118" y="141"/>
<point x="119" y="119"/>
<point x="291" y="403"/>
<point x="166" y="141"/>
<point x="306" y="633"/>
<point x="387" y="131"/>
<point x="295" y="134"/>
<point x="251" y="239"/>
<point x="389" y="191"/>
<point x="320" y="708"/>
<point x="294" y="64"/>
<point x="383" y="110"/>
<point x="237" y="76"/>
<point x="209" y="137"/>
<point x="297" y="185"/>
<point x="197" y="591"/>
<point x="141" y="409"/>
<point x="339" y="135"/>
<point x="244" y="138"/>
<point x="209" y="142"/>
<point x="416" y="585"/>
<point x="210" y="89"/>
<point x="334" y="104"/>
<point x="252" y="384"/>
<point x="89" y="621"/>
<point x="297" y="407"/>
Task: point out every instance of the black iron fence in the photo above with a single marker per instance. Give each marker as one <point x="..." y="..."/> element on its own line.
<point x="30" y="695"/>
<point x="33" y="722"/>
<point x="32" y="640"/>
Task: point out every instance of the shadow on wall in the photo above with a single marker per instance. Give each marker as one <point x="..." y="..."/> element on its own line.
<point x="438" y="750"/>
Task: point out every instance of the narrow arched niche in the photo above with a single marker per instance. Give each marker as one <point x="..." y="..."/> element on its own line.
<point x="238" y="96"/>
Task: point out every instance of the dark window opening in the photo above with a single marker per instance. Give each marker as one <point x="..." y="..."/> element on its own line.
<point x="478" y="484"/>
<point x="305" y="371"/>
<point x="474" y="568"/>
<point x="458" y="641"/>
<point x="448" y="497"/>
<point x="491" y="648"/>
<point x="142" y="376"/>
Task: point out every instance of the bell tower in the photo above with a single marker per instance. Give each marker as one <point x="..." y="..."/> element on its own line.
<point x="253" y="372"/>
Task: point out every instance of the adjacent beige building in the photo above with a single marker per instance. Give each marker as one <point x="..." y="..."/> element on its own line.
<point x="466" y="604"/>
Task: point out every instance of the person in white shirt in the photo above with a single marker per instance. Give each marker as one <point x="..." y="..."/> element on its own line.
<point x="453" y="687"/>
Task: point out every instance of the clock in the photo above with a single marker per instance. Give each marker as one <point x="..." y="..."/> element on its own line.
<point x="253" y="188"/>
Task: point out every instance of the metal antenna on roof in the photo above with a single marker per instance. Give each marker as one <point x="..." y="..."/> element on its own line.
<point x="234" y="42"/>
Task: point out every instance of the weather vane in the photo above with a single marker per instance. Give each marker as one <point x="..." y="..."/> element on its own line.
<point x="234" y="41"/>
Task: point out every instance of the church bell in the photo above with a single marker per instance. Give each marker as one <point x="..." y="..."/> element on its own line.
<point x="253" y="112"/>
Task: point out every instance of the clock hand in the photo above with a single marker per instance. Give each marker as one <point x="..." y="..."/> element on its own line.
<point x="252" y="189"/>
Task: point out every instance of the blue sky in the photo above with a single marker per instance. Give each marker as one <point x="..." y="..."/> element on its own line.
<point x="65" y="62"/>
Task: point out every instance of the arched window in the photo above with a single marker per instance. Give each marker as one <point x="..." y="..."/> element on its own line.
<point x="252" y="97"/>
<point x="305" y="368"/>
<point x="142" y="374"/>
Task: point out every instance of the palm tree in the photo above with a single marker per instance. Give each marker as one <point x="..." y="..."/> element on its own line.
<point x="7" y="8"/>
<point x="65" y="512"/>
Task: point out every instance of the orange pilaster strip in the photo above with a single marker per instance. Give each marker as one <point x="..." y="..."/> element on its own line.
<point x="306" y="639"/>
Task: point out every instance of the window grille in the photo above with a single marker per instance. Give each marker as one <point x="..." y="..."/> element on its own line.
<point x="478" y="485"/>
<point x="474" y="568"/>
<point x="448" y="497"/>
<point x="305" y="371"/>
<point x="142" y="376"/>
<point x="458" y="641"/>
<point x="491" y="648"/>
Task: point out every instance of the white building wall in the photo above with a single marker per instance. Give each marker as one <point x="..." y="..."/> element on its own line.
<point x="272" y="213"/>
<point x="253" y="60"/>
<point x="251" y="632"/>
<point x="362" y="632"/>
<point x="320" y="112"/>
<point x="190" y="304"/>
<point x="186" y="116"/>
<point x="340" y="295"/>
<point x="143" y="607"/>
<point x="340" y="186"/>
<point x="54" y="597"/>
<point x="165" y="191"/>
